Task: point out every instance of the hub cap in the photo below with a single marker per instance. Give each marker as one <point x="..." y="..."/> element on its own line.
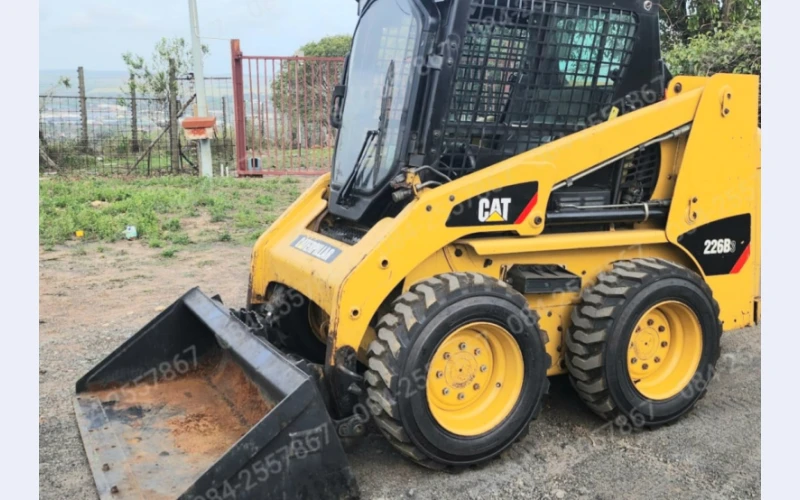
<point x="475" y="379"/>
<point x="664" y="350"/>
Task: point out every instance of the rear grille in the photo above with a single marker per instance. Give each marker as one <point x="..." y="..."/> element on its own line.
<point x="530" y="72"/>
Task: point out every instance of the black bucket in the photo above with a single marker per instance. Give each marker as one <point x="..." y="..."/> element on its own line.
<point x="195" y="406"/>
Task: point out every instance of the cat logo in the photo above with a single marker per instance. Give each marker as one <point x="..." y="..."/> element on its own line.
<point x="493" y="210"/>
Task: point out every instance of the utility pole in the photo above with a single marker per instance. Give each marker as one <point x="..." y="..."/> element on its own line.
<point x="200" y="88"/>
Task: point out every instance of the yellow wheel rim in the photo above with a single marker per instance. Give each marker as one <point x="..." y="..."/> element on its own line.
<point x="475" y="379"/>
<point x="664" y="350"/>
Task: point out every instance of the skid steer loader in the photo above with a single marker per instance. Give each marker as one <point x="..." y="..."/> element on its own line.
<point x="520" y="189"/>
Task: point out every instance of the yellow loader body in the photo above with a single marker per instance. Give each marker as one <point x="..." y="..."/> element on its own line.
<point x="711" y="172"/>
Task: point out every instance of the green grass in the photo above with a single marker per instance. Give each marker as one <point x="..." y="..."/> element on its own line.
<point x="160" y="208"/>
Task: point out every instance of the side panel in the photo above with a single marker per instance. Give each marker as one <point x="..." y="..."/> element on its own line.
<point x="716" y="194"/>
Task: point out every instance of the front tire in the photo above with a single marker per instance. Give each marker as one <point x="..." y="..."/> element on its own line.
<point x="294" y="323"/>
<point x="458" y="370"/>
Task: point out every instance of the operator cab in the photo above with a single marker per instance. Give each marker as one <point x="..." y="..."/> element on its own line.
<point x="460" y="85"/>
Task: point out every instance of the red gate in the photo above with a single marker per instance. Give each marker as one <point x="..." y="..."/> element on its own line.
<point x="282" y="108"/>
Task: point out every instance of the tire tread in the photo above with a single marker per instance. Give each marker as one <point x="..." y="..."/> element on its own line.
<point x="600" y="306"/>
<point x="396" y="331"/>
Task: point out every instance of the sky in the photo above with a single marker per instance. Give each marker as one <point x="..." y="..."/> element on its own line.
<point x="94" y="33"/>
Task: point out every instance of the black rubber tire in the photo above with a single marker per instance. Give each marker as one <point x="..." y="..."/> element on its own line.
<point x="602" y="324"/>
<point x="407" y="338"/>
<point x="290" y="329"/>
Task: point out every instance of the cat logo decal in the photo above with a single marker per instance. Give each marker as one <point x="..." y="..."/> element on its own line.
<point x="493" y="210"/>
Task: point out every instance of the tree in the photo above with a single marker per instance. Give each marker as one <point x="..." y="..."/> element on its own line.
<point x="171" y="59"/>
<point x="152" y="77"/>
<point x="734" y="50"/>
<point x="681" y="20"/>
<point x="302" y="90"/>
<point x="329" y="46"/>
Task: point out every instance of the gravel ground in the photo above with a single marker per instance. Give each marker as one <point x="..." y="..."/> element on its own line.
<point x="91" y="302"/>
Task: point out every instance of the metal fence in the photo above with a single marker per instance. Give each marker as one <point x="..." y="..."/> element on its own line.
<point x="282" y="109"/>
<point x="103" y="137"/>
<point x="129" y="134"/>
<point x="272" y="119"/>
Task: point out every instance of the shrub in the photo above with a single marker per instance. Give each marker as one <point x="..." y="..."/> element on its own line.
<point x="733" y="50"/>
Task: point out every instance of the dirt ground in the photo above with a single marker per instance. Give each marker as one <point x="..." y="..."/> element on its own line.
<point x="94" y="296"/>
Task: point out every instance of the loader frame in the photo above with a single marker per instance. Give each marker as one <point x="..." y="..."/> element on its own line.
<point x="710" y="173"/>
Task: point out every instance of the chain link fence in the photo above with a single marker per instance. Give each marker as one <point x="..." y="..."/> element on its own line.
<point x="130" y="134"/>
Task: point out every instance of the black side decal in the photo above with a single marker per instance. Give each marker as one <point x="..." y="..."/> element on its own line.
<point x="722" y="246"/>
<point x="507" y="205"/>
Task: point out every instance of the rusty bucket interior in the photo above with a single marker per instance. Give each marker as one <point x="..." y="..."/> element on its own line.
<point x="195" y="405"/>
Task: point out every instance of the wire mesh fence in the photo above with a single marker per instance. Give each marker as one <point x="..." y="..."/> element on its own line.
<point x="131" y="135"/>
<point x="108" y="140"/>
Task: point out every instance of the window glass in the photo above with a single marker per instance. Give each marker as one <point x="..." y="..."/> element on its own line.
<point x="593" y="48"/>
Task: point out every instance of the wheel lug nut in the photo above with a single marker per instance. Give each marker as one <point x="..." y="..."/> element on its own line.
<point x="498" y="384"/>
<point x="657" y="360"/>
<point x="664" y="344"/>
<point x="447" y="355"/>
<point x="476" y="386"/>
<point x="645" y="366"/>
<point x="445" y="391"/>
<point x="483" y="368"/>
<point x="477" y="352"/>
<point x="462" y="346"/>
<point x="661" y="328"/>
<point x="460" y="395"/>
<point x="439" y="374"/>
<point x="634" y="360"/>
<point x="650" y="322"/>
<point x="638" y="329"/>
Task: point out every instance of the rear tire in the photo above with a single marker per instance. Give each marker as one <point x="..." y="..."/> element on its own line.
<point x="497" y="369"/>
<point x="644" y="342"/>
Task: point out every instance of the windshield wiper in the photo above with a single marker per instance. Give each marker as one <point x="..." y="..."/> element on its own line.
<point x="372" y="136"/>
<point x="360" y="162"/>
<point x="386" y="108"/>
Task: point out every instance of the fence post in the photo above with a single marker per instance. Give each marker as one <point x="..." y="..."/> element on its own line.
<point x="84" y="145"/>
<point x="240" y="128"/>
<point x="134" y="118"/>
<point x="174" y="146"/>
<point x="224" y="122"/>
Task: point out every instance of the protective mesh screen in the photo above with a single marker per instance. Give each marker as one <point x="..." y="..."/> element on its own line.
<point x="530" y="72"/>
<point x="640" y="174"/>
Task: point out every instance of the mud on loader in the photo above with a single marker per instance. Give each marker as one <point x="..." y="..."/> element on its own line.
<point x="520" y="190"/>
